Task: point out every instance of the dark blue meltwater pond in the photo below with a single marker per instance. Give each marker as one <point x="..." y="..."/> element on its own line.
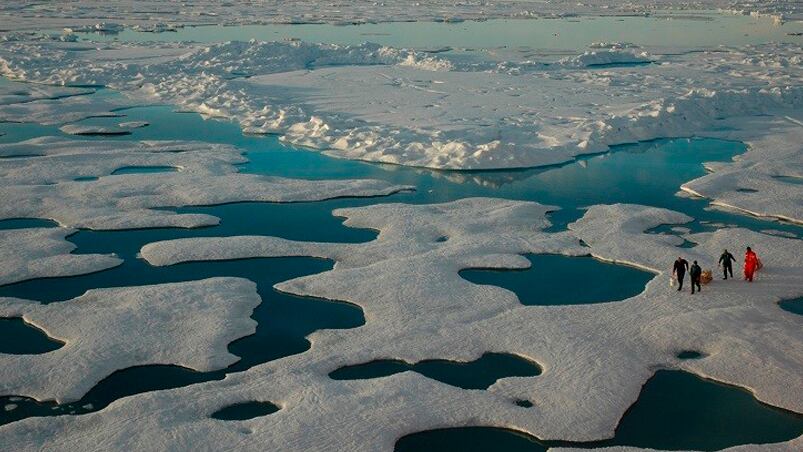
<point x="675" y="411"/>
<point x="562" y="280"/>
<point x="18" y="337"/>
<point x="478" y="374"/>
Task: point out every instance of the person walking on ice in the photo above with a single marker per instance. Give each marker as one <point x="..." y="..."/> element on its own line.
<point x="679" y="271"/>
<point x="726" y="261"/>
<point x="695" y="273"/>
<point x="751" y="264"/>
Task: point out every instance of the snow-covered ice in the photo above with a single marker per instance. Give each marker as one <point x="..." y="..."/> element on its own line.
<point x="44" y="172"/>
<point x="154" y="15"/>
<point x="758" y="182"/>
<point x="596" y="356"/>
<point x="409" y="107"/>
<point x="105" y="330"/>
<point x="44" y="253"/>
<point x="400" y="106"/>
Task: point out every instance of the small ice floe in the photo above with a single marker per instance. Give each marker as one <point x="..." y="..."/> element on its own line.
<point x="10" y="407"/>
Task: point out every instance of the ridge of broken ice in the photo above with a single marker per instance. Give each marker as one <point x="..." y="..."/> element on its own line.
<point x="604" y="351"/>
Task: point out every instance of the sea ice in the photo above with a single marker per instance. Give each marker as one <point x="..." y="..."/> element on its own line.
<point x="604" y="352"/>
<point x="44" y="183"/>
<point x="187" y="324"/>
<point x="153" y="15"/>
<point x="400" y="106"/>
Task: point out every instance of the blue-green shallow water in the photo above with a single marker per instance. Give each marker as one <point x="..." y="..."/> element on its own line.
<point x="646" y="173"/>
<point x="478" y="374"/>
<point x="19" y="338"/>
<point x="548" y="281"/>
<point x="144" y="170"/>
<point x="675" y="411"/>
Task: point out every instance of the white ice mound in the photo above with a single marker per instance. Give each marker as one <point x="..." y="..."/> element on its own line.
<point x="188" y="324"/>
<point x="611" y="56"/>
<point x="70" y="181"/>
<point x="44" y="253"/>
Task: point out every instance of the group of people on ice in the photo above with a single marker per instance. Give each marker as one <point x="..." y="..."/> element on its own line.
<point x="751" y="264"/>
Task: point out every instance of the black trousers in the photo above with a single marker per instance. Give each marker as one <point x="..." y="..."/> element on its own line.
<point x="695" y="282"/>
<point x="727" y="269"/>
<point x="681" y="276"/>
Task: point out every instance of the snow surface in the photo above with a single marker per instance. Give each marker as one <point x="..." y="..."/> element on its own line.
<point x="595" y="357"/>
<point x="44" y="253"/>
<point x="43" y="172"/>
<point x="105" y="330"/>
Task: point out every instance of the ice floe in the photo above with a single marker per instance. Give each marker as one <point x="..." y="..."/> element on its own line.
<point x="44" y="253"/>
<point x="187" y="324"/>
<point x="43" y="178"/>
<point x="417" y="307"/>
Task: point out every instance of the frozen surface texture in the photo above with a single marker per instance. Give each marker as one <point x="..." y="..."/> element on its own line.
<point x="43" y="253"/>
<point x="766" y="181"/>
<point x="187" y="324"/>
<point x="42" y="176"/>
<point x="159" y="16"/>
<point x="417" y="307"/>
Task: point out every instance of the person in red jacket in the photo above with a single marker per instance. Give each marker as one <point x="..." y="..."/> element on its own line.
<point x="751" y="263"/>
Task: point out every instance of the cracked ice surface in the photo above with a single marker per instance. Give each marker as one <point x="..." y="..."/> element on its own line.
<point x="596" y="356"/>
<point x="43" y="183"/>
<point x="44" y="253"/>
<point x="153" y="15"/>
<point x="110" y="329"/>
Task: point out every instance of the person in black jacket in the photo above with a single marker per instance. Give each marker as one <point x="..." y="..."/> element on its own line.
<point x="679" y="270"/>
<point x="726" y="261"/>
<point x="695" y="272"/>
